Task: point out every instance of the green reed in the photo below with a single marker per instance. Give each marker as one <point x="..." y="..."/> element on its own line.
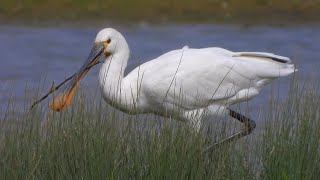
<point x="91" y="140"/>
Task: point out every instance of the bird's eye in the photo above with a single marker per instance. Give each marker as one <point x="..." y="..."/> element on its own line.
<point x="109" y="41"/>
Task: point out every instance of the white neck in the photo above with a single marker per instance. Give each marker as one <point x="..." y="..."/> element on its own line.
<point x="114" y="89"/>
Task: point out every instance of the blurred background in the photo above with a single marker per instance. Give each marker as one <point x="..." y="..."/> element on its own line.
<point x="47" y="40"/>
<point x="199" y="11"/>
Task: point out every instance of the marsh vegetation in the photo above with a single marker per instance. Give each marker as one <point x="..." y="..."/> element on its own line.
<point x="94" y="141"/>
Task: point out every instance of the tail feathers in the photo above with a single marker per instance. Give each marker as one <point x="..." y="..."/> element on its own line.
<point x="267" y="65"/>
<point x="287" y="70"/>
<point x="276" y="71"/>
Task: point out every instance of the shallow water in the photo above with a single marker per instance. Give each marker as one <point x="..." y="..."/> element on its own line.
<point x="30" y="55"/>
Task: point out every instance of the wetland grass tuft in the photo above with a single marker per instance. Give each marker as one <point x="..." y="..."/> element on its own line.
<point x="90" y="140"/>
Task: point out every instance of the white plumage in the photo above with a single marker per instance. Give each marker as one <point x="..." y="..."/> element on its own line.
<point x="185" y="82"/>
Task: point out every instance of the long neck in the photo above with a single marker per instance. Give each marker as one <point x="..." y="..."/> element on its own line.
<point x="114" y="90"/>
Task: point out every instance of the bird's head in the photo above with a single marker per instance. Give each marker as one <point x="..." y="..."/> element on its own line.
<point x="106" y="44"/>
<point x="108" y="40"/>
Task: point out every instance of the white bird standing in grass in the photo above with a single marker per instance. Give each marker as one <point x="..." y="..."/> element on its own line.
<point x="186" y="84"/>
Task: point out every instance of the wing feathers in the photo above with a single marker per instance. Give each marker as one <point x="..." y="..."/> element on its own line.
<point x="274" y="57"/>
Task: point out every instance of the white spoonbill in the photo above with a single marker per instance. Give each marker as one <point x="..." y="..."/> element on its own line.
<point x="186" y="83"/>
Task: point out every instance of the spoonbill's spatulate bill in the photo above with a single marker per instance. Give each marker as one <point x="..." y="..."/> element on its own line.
<point x="186" y="83"/>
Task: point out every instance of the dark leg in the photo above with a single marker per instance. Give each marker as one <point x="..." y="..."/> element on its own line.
<point x="249" y="127"/>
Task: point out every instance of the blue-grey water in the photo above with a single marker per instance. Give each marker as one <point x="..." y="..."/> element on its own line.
<point x="30" y="55"/>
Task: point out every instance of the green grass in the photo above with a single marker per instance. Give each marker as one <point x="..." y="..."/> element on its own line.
<point x="93" y="141"/>
<point x="256" y="11"/>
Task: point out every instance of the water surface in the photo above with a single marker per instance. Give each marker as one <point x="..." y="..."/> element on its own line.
<point x="30" y="55"/>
